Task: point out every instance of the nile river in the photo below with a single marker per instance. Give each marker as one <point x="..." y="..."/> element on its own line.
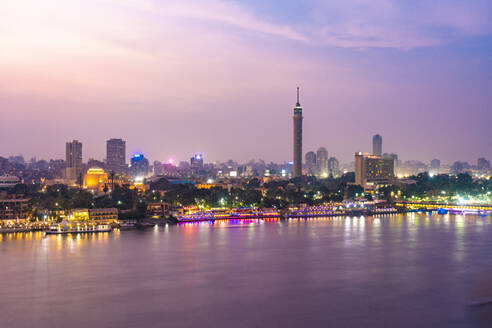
<point x="410" y="270"/>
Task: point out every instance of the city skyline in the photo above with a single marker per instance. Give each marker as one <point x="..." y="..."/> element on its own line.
<point x="422" y="83"/>
<point x="158" y="167"/>
<point x="175" y="161"/>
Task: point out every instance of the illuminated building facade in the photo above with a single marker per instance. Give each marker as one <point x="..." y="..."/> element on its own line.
<point x="80" y="214"/>
<point x="311" y="163"/>
<point x="377" y="145"/>
<point x="297" y="118"/>
<point x="322" y="162"/>
<point x="96" y="179"/>
<point x="139" y="166"/>
<point x="14" y="210"/>
<point x="372" y="171"/>
<point x="157" y="210"/>
<point x="196" y="162"/>
<point x="73" y="151"/>
<point x="104" y="215"/>
<point x="116" y="155"/>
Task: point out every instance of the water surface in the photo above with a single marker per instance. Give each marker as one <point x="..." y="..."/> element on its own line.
<point x="395" y="271"/>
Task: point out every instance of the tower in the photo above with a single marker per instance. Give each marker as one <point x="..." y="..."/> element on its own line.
<point x="377" y="145"/>
<point x="297" y="138"/>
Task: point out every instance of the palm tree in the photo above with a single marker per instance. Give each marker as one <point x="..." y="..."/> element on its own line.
<point x="111" y="174"/>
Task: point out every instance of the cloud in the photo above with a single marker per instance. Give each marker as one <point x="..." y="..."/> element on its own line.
<point x="398" y="24"/>
<point x="185" y="64"/>
<point x="343" y="23"/>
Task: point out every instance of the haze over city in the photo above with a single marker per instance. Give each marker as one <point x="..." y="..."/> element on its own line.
<point x="178" y="77"/>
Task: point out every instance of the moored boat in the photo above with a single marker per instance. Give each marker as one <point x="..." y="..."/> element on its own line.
<point x="127" y="225"/>
<point x="73" y="228"/>
<point x="145" y="224"/>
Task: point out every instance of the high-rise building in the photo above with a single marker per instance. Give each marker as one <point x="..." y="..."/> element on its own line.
<point x="297" y="118"/>
<point x="460" y="167"/>
<point x="196" y="162"/>
<point x="395" y="158"/>
<point x="435" y="166"/>
<point x="483" y="164"/>
<point x="73" y="151"/>
<point x="322" y="162"/>
<point x="372" y="171"/>
<point x="311" y="163"/>
<point x="116" y="155"/>
<point x="139" y="166"/>
<point x="377" y="145"/>
<point x="333" y="167"/>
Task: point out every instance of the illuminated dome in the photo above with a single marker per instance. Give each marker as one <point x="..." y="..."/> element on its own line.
<point x="95" y="178"/>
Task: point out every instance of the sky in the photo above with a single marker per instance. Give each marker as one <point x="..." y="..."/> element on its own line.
<point x="219" y="77"/>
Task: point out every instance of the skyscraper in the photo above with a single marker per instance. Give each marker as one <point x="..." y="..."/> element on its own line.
<point x="373" y="171"/>
<point x="139" y="166"/>
<point x="116" y="155"/>
<point x="73" y="151"/>
<point x="322" y="162"/>
<point x="311" y="163"/>
<point x="377" y="145"/>
<point x="297" y="138"/>
<point x="435" y="166"/>
<point x="196" y="162"/>
<point x="333" y="167"/>
<point x="483" y="164"/>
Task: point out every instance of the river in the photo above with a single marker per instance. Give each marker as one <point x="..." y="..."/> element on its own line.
<point x="405" y="270"/>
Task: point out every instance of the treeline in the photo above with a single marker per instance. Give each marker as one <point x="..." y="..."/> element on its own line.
<point x="279" y="194"/>
<point x="442" y="184"/>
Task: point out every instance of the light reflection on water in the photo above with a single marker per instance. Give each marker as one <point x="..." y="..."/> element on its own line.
<point x="392" y="270"/>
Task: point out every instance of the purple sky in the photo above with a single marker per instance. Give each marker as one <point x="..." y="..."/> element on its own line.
<point x="219" y="77"/>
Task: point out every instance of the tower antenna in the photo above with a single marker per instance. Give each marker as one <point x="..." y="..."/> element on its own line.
<point x="298" y="96"/>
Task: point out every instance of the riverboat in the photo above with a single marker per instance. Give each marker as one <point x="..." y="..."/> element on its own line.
<point x="128" y="225"/>
<point x="74" y="228"/>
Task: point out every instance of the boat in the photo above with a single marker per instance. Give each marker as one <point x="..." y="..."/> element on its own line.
<point x="145" y="224"/>
<point x="74" y="228"/>
<point x="442" y="211"/>
<point x="128" y="225"/>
